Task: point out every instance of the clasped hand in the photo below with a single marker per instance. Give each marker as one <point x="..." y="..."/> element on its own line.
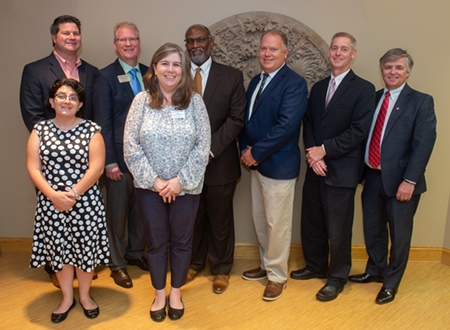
<point x="167" y="189"/>
<point x="315" y="160"/>
<point x="63" y="200"/>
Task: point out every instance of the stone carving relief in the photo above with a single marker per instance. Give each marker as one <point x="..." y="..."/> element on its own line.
<point x="237" y="44"/>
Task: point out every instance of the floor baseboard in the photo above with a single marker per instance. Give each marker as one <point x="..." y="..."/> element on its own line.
<point x="251" y="250"/>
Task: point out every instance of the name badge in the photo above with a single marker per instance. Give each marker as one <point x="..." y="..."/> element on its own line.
<point x="123" y="78"/>
<point x="178" y="114"/>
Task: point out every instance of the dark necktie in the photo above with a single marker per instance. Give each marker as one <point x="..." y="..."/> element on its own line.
<point x="135" y="85"/>
<point x="263" y="82"/>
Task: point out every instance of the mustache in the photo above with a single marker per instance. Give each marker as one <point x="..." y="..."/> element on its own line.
<point x="197" y="49"/>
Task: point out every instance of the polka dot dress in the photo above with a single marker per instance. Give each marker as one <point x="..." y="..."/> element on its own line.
<point x="77" y="237"/>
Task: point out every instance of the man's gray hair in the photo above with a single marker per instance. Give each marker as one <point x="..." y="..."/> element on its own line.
<point x="346" y="35"/>
<point x="130" y="25"/>
<point x="394" y="54"/>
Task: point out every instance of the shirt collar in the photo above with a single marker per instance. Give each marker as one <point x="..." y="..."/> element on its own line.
<point x="61" y="59"/>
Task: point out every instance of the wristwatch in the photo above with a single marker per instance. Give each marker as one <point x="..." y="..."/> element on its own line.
<point x="77" y="197"/>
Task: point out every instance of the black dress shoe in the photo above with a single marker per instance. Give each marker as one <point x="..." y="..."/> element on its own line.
<point x="385" y="296"/>
<point x="159" y="315"/>
<point x="141" y="263"/>
<point x="306" y="274"/>
<point x="121" y="278"/>
<point x="365" y="278"/>
<point x="58" y="318"/>
<point x="175" y="314"/>
<point x="328" y="293"/>
<point x="91" y="313"/>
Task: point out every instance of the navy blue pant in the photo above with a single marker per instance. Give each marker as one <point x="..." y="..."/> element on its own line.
<point x="168" y="226"/>
<point x="379" y="212"/>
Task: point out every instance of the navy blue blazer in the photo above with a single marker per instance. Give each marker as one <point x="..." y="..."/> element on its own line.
<point x="36" y="80"/>
<point x="342" y="128"/>
<point x="408" y="140"/>
<point x="273" y="130"/>
<point x="112" y="100"/>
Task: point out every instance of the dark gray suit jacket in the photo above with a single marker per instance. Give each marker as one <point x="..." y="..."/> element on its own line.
<point x="36" y="80"/>
<point x="112" y="100"/>
<point x="342" y="128"/>
<point x="408" y="140"/>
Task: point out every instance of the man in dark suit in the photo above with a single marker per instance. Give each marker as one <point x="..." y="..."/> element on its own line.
<point x="398" y="148"/>
<point x="115" y="87"/>
<point x="277" y="100"/>
<point x="337" y="122"/>
<point x="63" y="62"/>
<point x="224" y="95"/>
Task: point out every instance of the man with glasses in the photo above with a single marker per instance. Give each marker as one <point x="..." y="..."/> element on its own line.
<point x="223" y="92"/>
<point x="114" y="89"/>
<point x="63" y="62"/>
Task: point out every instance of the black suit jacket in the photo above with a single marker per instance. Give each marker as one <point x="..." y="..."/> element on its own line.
<point x="225" y="102"/>
<point x="36" y="80"/>
<point x="408" y="140"/>
<point x="342" y="128"/>
<point x="112" y="100"/>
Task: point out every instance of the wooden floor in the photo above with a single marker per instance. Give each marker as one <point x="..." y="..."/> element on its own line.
<point x="27" y="299"/>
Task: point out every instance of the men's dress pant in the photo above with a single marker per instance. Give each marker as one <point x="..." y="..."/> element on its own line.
<point x="326" y="229"/>
<point x="272" y="208"/>
<point x="214" y="230"/>
<point x="379" y="211"/>
<point x="122" y="215"/>
<point x="168" y="226"/>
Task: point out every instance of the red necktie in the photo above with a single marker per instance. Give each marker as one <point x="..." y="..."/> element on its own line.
<point x="374" y="147"/>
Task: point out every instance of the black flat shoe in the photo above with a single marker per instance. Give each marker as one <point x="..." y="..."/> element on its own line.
<point x="175" y="314"/>
<point x="159" y="315"/>
<point x="91" y="313"/>
<point x="58" y="318"/>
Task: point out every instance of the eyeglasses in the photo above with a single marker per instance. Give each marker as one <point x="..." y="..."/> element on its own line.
<point x="123" y="41"/>
<point x="62" y="97"/>
<point x="200" y="40"/>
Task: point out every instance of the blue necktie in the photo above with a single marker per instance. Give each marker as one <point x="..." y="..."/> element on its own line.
<point x="135" y="85"/>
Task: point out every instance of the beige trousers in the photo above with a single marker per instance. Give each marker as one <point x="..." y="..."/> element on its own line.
<point x="272" y="208"/>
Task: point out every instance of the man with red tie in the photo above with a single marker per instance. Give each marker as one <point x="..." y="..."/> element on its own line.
<point x="399" y="146"/>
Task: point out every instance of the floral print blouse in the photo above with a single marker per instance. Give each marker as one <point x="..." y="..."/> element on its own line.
<point x="167" y="143"/>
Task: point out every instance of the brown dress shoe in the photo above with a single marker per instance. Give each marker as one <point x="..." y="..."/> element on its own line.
<point x="121" y="278"/>
<point x="254" y="274"/>
<point x="191" y="274"/>
<point x="273" y="291"/>
<point x="220" y="283"/>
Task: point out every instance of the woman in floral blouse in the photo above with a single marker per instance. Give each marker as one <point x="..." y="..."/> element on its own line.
<point x="166" y="147"/>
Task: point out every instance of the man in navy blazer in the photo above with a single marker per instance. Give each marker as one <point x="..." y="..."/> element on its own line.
<point x="63" y="62"/>
<point x="113" y="93"/>
<point x="335" y="126"/>
<point x="222" y="89"/>
<point x="398" y="148"/>
<point x="277" y="100"/>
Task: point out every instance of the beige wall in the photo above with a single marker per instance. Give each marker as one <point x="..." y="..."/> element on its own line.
<point x="419" y="26"/>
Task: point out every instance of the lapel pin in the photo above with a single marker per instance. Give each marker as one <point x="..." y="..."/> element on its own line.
<point x="397" y="109"/>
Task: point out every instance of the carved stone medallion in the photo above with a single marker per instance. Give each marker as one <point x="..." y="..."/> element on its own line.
<point x="237" y="39"/>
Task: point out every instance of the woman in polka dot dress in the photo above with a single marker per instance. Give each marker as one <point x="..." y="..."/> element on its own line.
<point x="65" y="158"/>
